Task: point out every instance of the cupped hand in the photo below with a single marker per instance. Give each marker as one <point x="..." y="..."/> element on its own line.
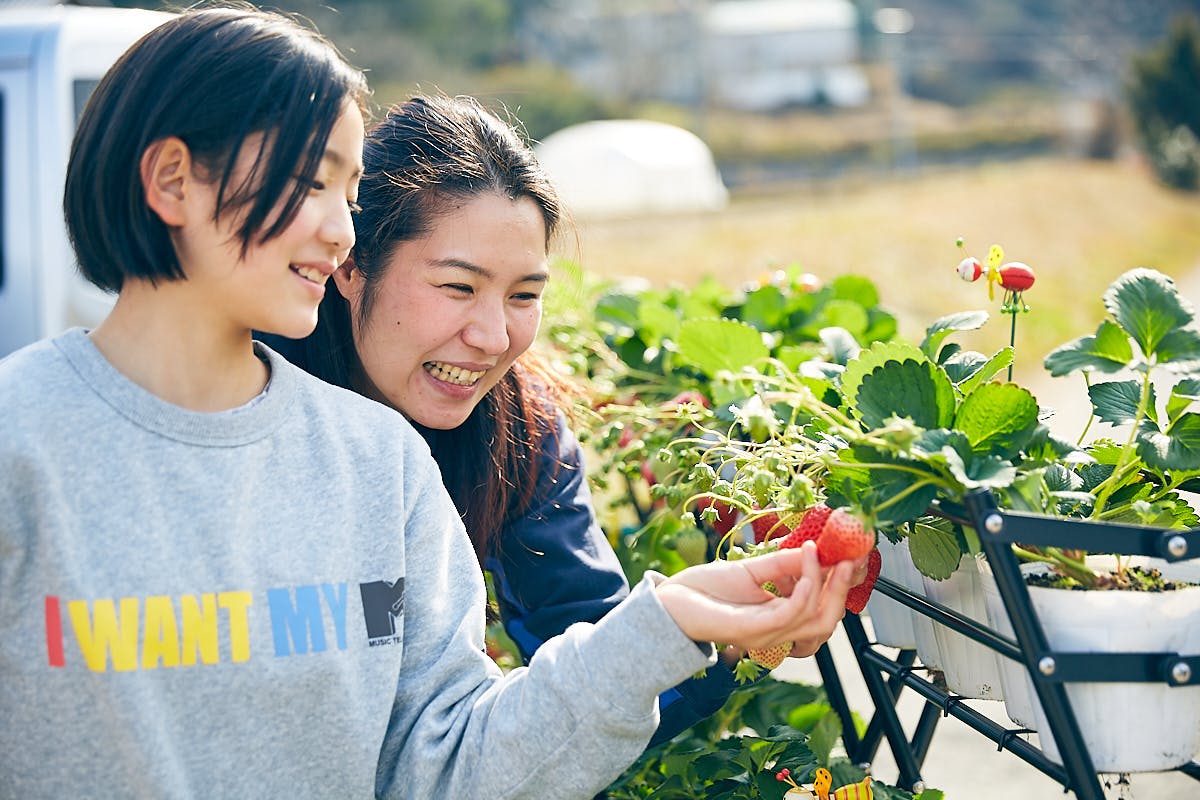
<point x="724" y="601"/>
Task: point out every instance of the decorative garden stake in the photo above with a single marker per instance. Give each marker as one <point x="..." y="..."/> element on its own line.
<point x="822" y="783"/>
<point x="1014" y="278"/>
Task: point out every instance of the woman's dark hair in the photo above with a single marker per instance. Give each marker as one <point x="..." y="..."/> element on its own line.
<point x="424" y="156"/>
<point x="212" y="78"/>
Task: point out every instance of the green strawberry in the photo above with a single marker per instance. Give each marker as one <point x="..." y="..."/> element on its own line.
<point x="692" y="546"/>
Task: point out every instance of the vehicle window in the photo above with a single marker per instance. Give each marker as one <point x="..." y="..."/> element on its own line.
<point x="83" y="90"/>
<point x="3" y="216"/>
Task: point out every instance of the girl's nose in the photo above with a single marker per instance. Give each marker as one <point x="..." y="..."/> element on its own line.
<point x="338" y="230"/>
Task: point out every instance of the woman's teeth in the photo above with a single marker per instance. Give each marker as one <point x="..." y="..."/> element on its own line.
<point x="450" y="374"/>
<point x="314" y="275"/>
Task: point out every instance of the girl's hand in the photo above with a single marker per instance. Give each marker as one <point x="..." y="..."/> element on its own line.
<point x="724" y="601"/>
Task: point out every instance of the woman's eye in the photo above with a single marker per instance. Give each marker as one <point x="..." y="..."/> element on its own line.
<point x="312" y="184"/>
<point x="458" y="287"/>
<point x="527" y="297"/>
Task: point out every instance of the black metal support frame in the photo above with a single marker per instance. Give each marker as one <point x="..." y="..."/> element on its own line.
<point x="1049" y="670"/>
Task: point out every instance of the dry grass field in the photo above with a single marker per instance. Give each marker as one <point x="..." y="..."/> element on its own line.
<point x="1078" y="223"/>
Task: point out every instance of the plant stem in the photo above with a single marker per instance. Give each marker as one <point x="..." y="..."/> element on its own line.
<point x="1113" y="481"/>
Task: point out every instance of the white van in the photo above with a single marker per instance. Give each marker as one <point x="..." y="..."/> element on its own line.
<point x="51" y="58"/>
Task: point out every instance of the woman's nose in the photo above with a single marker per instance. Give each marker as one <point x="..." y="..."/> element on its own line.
<point x="487" y="329"/>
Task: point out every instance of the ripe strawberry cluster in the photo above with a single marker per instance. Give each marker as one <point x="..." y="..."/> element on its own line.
<point x="839" y="536"/>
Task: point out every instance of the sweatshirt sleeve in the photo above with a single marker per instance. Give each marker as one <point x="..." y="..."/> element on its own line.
<point x="563" y="727"/>
<point x="556" y="567"/>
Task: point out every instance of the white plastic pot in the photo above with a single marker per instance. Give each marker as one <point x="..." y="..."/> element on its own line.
<point x="1019" y="694"/>
<point x="971" y="669"/>
<point x="892" y="622"/>
<point x="1126" y="727"/>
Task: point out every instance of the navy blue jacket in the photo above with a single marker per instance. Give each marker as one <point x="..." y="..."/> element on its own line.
<point x="555" y="567"/>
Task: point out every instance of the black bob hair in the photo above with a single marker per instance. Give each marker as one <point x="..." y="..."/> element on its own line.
<point x="212" y="78"/>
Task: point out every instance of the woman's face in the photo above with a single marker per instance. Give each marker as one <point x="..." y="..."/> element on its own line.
<point x="453" y="309"/>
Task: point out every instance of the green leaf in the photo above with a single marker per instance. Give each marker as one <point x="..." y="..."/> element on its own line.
<point x="1116" y="402"/>
<point x="917" y="389"/>
<point x="855" y="288"/>
<point x="840" y="343"/>
<point x="1179" y="351"/>
<point x="998" y="418"/>
<point x="1107" y="351"/>
<point x="867" y="360"/>
<point x="804" y="717"/>
<point x="888" y="493"/>
<point x="1002" y="359"/>
<point x="657" y="322"/>
<point x="844" y="314"/>
<point x="935" y="551"/>
<point x="1183" y="394"/>
<point x="792" y="356"/>
<point x="1147" y="305"/>
<point x="881" y="326"/>
<point x="977" y="470"/>
<point x="765" y="308"/>
<point x="942" y="327"/>
<point x="824" y="736"/>
<point x="713" y="345"/>
<point x="1177" y="449"/>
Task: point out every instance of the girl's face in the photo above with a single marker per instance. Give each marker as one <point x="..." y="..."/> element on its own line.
<point x="277" y="285"/>
<point x="453" y="309"/>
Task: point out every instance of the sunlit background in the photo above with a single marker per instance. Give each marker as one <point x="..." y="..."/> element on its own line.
<point x="734" y="137"/>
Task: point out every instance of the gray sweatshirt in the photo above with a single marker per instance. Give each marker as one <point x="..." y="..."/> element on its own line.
<point x="278" y="600"/>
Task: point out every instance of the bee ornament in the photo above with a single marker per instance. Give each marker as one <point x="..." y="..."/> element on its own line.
<point x="1014" y="277"/>
<point x="822" y="783"/>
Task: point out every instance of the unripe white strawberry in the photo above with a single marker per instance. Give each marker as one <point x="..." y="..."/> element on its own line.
<point x="770" y="657"/>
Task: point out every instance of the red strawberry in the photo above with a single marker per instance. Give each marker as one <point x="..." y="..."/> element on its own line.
<point x="843" y="539"/>
<point x="856" y="598"/>
<point x="689" y="396"/>
<point x="726" y="514"/>
<point x="809" y="528"/>
<point x="768" y="526"/>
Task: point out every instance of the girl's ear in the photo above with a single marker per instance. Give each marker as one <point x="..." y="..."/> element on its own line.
<point x="166" y="168"/>
<point x="349" y="282"/>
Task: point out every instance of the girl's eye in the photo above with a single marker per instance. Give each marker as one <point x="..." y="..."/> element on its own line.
<point x="312" y="184"/>
<point x="458" y="287"/>
<point x="527" y="297"/>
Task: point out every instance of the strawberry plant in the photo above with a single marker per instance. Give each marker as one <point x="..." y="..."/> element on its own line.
<point x="893" y="428"/>
<point x="736" y="753"/>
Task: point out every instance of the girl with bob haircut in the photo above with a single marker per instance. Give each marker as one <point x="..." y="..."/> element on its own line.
<point x="438" y="285"/>
<point x="222" y="577"/>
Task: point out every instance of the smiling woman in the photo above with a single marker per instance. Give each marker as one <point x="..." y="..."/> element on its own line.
<point x="433" y="315"/>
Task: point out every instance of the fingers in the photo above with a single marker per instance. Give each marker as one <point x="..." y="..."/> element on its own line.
<point x="822" y="619"/>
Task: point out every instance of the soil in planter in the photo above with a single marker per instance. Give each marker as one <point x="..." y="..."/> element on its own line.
<point x="1132" y="579"/>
